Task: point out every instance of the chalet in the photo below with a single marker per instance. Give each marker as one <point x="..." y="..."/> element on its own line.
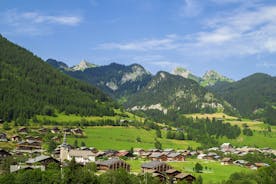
<point x="185" y="177"/>
<point x="226" y="147"/>
<point x="16" y="168"/>
<point x="56" y="139"/>
<point x="145" y="154"/>
<point x="3" y="137"/>
<point x="175" y="157"/>
<point x="240" y="162"/>
<point x="67" y="131"/>
<point x="55" y="130"/>
<point x="77" y="131"/>
<point x="112" y="164"/>
<point x="4" y="153"/>
<point x="158" y="157"/>
<point x="259" y="164"/>
<point x="110" y="153"/>
<point x="122" y="153"/>
<point x="41" y="160"/>
<point x="210" y="156"/>
<point x="15" y="138"/>
<point x="155" y="165"/>
<point x="226" y="161"/>
<point x="138" y="151"/>
<point x="172" y="172"/>
<point x="161" y="176"/>
<point x="28" y="145"/>
<point x="201" y="156"/>
<point x="43" y="130"/>
<point x="23" y="130"/>
<point x="81" y="156"/>
<point x="31" y="138"/>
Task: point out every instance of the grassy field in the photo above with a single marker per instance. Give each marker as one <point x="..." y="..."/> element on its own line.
<point x="259" y="139"/>
<point x="125" y="137"/>
<point x="215" y="172"/>
<point x="61" y="117"/>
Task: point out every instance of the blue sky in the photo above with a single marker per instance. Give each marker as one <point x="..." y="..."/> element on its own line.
<point x="234" y="37"/>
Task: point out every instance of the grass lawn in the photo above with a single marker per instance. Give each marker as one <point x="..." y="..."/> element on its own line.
<point x="259" y="139"/>
<point x="215" y="172"/>
<point x="109" y="137"/>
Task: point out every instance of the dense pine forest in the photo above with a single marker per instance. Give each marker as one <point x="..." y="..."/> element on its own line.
<point x="30" y="86"/>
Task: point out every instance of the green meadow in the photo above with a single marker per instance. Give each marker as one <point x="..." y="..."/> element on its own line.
<point x="109" y="137"/>
<point x="213" y="170"/>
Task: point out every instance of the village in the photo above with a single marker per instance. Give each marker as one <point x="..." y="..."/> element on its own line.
<point x="155" y="161"/>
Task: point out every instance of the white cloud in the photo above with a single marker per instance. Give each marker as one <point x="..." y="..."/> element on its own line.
<point x="241" y="32"/>
<point x="144" y="45"/>
<point x="36" y="23"/>
<point x="190" y="8"/>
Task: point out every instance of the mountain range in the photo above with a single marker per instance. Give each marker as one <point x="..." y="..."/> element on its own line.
<point x="180" y="91"/>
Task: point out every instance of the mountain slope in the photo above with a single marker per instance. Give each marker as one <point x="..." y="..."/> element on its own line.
<point x="186" y="74"/>
<point x="167" y="92"/>
<point x="29" y="85"/>
<point x="251" y="95"/>
<point x="212" y="77"/>
<point x="115" y="79"/>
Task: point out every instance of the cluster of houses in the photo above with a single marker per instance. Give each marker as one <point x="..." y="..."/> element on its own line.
<point x="25" y="143"/>
<point x="228" y="149"/>
<point x="158" y="164"/>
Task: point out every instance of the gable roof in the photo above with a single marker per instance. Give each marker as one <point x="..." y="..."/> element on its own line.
<point x="109" y="162"/>
<point x="152" y="164"/>
<point x="37" y="159"/>
<point x="183" y="175"/>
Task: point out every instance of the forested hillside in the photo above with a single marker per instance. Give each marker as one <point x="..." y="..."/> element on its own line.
<point x="254" y="96"/>
<point x="30" y="86"/>
<point x="167" y="92"/>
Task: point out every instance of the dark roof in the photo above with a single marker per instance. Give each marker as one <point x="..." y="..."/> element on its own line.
<point x="171" y="171"/>
<point x="172" y="155"/>
<point x="109" y="162"/>
<point x="183" y="175"/>
<point x="156" y="155"/>
<point x="37" y="159"/>
<point x="152" y="164"/>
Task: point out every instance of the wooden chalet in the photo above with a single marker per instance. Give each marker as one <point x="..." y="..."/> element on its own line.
<point x="176" y="157"/>
<point x="77" y="131"/>
<point x="112" y="164"/>
<point x="123" y="153"/>
<point x="23" y="130"/>
<point x="43" y="130"/>
<point x="15" y="138"/>
<point x="172" y="172"/>
<point x="155" y="166"/>
<point x="185" y="177"/>
<point x="226" y="161"/>
<point x="4" y="153"/>
<point x="3" y="137"/>
<point x="42" y="160"/>
<point x="158" y="157"/>
<point x="28" y="145"/>
<point x="55" y="130"/>
<point x="16" y="168"/>
<point x="138" y="151"/>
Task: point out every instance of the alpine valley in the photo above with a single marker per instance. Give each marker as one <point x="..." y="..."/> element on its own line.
<point x="122" y="124"/>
